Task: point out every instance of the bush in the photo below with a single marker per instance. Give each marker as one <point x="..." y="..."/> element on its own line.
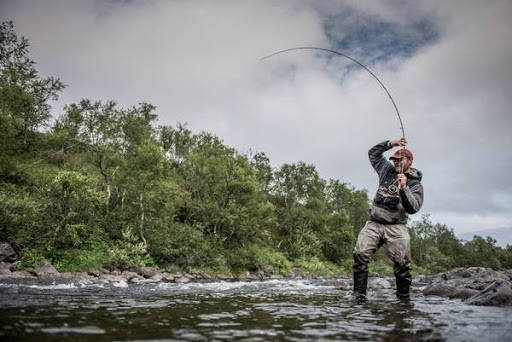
<point x="183" y="245"/>
<point x="256" y="258"/>
<point x="318" y="267"/>
<point x="82" y="260"/>
<point x="128" y="252"/>
<point x="31" y="258"/>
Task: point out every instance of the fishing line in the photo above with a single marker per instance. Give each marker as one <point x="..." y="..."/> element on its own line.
<point x="355" y="61"/>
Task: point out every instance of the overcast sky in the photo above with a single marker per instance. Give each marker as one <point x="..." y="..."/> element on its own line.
<point x="446" y="63"/>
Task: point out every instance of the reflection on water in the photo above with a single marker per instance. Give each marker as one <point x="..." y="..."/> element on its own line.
<point x="258" y="311"/>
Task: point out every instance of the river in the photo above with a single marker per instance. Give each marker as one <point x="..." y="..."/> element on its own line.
<point x="273" y="310"/>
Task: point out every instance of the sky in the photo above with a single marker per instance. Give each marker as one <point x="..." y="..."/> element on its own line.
<point x="446" y="64"/>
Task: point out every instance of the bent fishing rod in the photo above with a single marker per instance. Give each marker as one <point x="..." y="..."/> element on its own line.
<point x="353" y="60"/>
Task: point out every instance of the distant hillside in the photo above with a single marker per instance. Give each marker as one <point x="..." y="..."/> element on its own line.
<point x="503" y="236"/>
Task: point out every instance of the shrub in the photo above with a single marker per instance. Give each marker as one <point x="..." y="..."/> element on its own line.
<point x="256" y="258"/>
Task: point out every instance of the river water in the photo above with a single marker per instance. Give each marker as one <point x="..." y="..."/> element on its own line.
<point x="274" y="310"/>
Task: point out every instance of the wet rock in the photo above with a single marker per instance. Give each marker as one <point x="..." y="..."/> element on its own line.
<point x="182" y="280"/>
<point x="94" y="273"/>
<point x="464" y="293"/>
<point x="439" y="289"/>
<point x="443" y="290"/>
<point x="111" y="278"/>
<point x="169" y="277"/>
<point x="17" y="275"/>
<point x="378" y="283"/>
<point x="157" y="277"/>
<point x="223" y="277"/>
<point x="252" y="277"/>
<point x="476" y="284"/>
<point x="45" y="270"/>
<point x="299" y="273"/>
<point x="276" y="277"/>
<point x="146" y="272"/>
<point x="5" y="268"/>
<point x="498" y="293"/>
<point x="136" y="280"/>
<point x="128" y="275"/>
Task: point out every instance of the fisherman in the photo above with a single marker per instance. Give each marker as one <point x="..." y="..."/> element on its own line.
<point x="400" y="193"/>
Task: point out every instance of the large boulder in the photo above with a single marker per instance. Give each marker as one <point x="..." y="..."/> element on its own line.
<point x="479" y="285"/>
<point x="444" y="290"/>
<point x="7" y="253"/>
<point x="498" y="293"/>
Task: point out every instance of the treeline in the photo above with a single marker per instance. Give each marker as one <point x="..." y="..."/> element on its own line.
<point x="106" y="186"/>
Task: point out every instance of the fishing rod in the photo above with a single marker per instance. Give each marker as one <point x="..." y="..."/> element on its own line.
<point x="353" y="60"/>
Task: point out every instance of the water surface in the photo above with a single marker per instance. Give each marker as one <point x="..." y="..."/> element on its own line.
<point x="276" y="310"/>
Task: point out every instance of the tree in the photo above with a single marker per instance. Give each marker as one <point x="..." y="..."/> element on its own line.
<point x="24" y="95"/>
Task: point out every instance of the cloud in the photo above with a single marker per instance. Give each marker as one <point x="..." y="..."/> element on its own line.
<point x="445" y="63"/>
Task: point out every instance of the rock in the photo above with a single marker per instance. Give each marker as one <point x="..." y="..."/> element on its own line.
<point x="18" y="275"/>
<point x="378" y="283"/>
<point x="157" y="277"/>
<point x="111" y="278"/>
<point x="5" y="268"/>
<point x="169" y="277"/>
<point x="182" y="280"/>
<point x="299" y="273"/>
<point x="146" y="272"/>
<point x="252" y="277"/>
<point x="7" y="253"/>
<point x="508" y="273"/>
<point x="276" y="277"/>
<point x="136" y="280"/>
<point x="45" y="270"/>
<point x="498" y="293"/>
<point x="224" y="277"/>
<point x="439" y="289"/>
<point x="464" y="293"/>
<point x="94" y="273"/>
<point x="128" y="275"/>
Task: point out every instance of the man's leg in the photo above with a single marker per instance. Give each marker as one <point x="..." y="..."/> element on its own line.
<point x="399" y="251"/>
<point x="366" y="245"/>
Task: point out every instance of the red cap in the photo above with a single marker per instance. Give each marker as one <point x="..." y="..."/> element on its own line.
<point x="403" y="152"/>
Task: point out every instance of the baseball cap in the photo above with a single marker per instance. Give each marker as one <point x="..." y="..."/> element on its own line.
<point x="403" y="152"/>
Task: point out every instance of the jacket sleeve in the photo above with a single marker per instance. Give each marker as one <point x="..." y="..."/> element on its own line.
<point x="379" y="163"/>
<point x="412" y="198"/>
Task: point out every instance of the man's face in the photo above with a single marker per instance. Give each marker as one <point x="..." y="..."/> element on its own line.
<point x="403" y="164"/>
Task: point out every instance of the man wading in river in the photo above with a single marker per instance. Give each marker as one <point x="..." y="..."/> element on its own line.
<point x="400" y="193"/>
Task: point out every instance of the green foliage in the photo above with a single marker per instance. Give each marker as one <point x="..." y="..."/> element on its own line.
<point x="183" y="245"/>
<point x="24" y="95"/>
<point x="128" y="252"/>
<point x="254" y="258"/>
<point x="92" y="256"/>
<point x="435" y="248"/>
<point x="31" y="258"/>
<point x="318" y="267"/>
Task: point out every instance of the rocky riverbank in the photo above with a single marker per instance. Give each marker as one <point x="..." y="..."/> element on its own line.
<point x="474" y="285"/>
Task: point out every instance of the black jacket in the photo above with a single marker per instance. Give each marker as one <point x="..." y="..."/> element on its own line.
<point x="392" y="205"/>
